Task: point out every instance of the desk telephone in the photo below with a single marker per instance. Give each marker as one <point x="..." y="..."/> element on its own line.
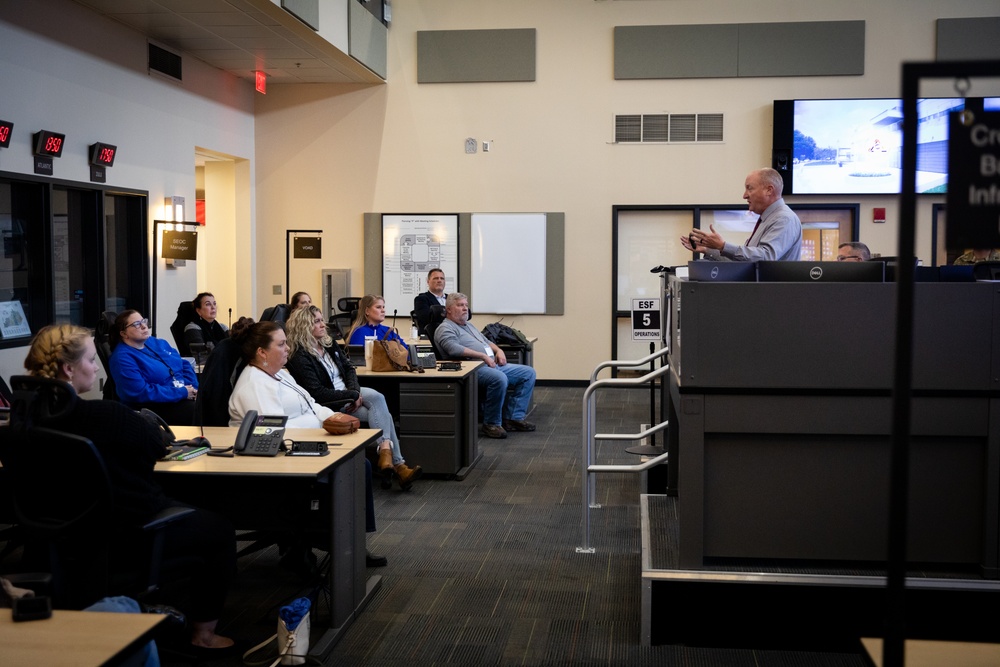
<point x="260" y="435"/>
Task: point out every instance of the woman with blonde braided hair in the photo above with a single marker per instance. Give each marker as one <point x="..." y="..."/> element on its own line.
<point x="63" y="352"/>
<point x="130" y="446"/>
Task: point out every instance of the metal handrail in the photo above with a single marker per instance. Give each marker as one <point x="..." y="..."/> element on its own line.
<point x="627" y="364"/>
<point x="589" y="437"/>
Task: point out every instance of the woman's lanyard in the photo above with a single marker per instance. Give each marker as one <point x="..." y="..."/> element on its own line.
<point x="155" y="354"/>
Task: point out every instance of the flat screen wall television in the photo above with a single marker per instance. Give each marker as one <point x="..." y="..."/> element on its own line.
<point x="854" y="146"/>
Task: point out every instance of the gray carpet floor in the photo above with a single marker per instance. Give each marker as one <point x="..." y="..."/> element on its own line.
<point x="484" y="571"/>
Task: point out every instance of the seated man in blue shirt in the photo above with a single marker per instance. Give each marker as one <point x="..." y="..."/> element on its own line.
<point x="456" y="338"/>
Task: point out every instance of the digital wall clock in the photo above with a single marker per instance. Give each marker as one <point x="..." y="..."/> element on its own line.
<point x="48" y="144"/>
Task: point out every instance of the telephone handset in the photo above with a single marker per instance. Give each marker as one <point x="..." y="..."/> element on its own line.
<point x="260" y="435"/>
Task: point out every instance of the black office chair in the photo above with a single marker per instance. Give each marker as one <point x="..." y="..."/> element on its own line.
<point x="348" y="304"/>
<point x="437" y="317"/>
<point x="104" y="345"/>
<point x="61" y="495"/>
<point x="341" y="322"/>
<point x="986" y="270"/>
<point x="185" y="315"/>
<point x="278" y="313"/>
<point x="223" y="367"/>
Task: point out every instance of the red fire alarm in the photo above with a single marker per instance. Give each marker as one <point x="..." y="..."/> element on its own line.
<point x="261" y="81"/>
<point x="878" y="214"/>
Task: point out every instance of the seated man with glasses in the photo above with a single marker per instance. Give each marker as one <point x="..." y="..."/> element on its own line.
<point x="853" y="252"/>
<point x="149" y="373"/>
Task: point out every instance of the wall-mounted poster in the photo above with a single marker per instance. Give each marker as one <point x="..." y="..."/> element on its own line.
<point x="412" y="245"/>
<point x="13" y="323"/>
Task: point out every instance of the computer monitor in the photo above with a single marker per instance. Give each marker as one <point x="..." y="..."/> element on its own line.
<point x="705" y="270"/>
<point x="956" y="274"/>
<point x="811" y="272"/>
<point x="986" y="270"/>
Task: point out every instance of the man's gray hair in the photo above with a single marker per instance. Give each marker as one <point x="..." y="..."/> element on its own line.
<point x="453" y="298"/>
<point x="866" y="254"/>
<point x="771" y="177"/>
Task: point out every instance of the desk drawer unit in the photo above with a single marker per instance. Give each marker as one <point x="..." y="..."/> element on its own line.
<point x="431" y="425"/>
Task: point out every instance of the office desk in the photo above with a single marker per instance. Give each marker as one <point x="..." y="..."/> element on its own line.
<point x="244" y="488"/>
<point x="74" y="638"/>
<point x="437" y="415"/>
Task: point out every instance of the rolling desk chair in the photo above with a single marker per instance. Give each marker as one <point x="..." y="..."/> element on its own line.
<point x="342" y="321"/>
<point x="185" y="315"/>
<point x="437" y="317"/>
<point x="104" y="345"/>
<point x="277" y="313"/>
<point x="62" y="499"/>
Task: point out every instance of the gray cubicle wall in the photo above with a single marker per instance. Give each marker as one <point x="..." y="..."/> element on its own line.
<point x="812" y="48"/>
<point x="474" y="56"/>
<point x="782" y="430"/>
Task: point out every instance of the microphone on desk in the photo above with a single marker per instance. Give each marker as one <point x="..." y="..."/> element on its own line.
<point x="230" y="318"/>
<point x="394" y="318"/>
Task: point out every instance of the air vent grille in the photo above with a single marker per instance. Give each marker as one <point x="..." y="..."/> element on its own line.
<point x="668" y="128"/>
<point x="164" y="62"/>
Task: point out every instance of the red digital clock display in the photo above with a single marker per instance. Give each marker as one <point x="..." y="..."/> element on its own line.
<point x="103" y="155"/>
<point x="6" y="128"/>
<point x="48" y="144"/>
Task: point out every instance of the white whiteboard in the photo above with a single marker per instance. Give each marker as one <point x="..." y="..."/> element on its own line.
<point x="508" y="263"/>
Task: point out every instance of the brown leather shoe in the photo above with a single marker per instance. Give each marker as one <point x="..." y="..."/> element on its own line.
<point x="385" y="467"/>
<point x="493" y="431"/>
<point x="406" y="475"/>
<point x="517" y="425"/>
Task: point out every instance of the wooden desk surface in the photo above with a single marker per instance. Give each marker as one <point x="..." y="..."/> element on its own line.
<point x="294" y="466"/>
<point x="72" y="638"/>
<point x="926" y="653"/>
<point x="429" y="374"/>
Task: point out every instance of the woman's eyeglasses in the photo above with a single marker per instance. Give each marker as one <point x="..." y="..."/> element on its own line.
<point x="138" y="324"/>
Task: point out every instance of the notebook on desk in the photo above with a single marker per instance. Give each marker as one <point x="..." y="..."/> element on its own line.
<point x="184" y="452"/>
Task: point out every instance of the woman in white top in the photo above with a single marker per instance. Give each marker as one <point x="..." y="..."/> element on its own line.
<point x="265" y="386"/>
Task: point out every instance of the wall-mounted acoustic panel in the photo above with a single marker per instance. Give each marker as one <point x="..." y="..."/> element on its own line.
<point x="818" y="48"/>
<point x="306" y="11"/>
<point x="368" y="39"/>
<point x="676" y="51"/>
<point x="472" y="56"/>
<point x="968" y="39"/>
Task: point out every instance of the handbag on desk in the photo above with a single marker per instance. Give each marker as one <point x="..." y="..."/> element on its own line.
<point x="391" y="355"/>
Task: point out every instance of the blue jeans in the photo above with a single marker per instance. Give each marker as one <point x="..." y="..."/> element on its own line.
<point x="374" y="411"/>
<point x="493" y="382"/>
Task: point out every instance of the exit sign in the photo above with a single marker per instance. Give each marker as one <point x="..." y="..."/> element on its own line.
<point x="260" y="79"/>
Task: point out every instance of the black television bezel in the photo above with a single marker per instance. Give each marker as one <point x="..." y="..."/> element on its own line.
<point x="782" y="141"/>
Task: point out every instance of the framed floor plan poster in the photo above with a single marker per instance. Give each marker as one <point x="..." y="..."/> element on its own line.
<point x="12" y="320"/>
<point x="412" y="245"/>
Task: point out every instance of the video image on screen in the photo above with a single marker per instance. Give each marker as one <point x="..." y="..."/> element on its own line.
<point x="855" y="146"/>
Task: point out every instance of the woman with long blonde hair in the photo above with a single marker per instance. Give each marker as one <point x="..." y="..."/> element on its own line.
<point x="322" y="369"/>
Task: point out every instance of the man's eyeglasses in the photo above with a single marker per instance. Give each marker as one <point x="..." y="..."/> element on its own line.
<point x="138" y="324"/>
<point x="847" y="258"/>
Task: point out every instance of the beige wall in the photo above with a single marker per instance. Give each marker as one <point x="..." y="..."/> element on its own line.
<point x="327" y="154"/>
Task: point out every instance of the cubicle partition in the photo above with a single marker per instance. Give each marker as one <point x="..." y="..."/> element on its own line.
<point x="781" y="416"/>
